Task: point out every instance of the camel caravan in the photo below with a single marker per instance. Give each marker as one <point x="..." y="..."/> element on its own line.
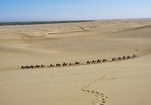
<point x="78" y="63"/>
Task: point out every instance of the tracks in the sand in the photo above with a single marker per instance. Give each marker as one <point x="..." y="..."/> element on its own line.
<point x="85" y="87"/>
<point x="100" y="98"/>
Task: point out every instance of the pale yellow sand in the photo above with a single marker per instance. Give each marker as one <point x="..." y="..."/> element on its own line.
<point x="125" y="82"/>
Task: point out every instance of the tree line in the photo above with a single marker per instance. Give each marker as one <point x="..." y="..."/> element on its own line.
<point x="40" y="22"/>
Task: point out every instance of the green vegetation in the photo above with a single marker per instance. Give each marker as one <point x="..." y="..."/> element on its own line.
<point x="40" y="22"/>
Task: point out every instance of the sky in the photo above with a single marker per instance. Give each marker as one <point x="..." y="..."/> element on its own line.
<point x="56" y="10"/>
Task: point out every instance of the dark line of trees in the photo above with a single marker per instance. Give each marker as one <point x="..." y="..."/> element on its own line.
<point x="40" y="22"/>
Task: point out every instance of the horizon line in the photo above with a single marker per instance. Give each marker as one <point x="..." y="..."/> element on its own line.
<point x="74" y="20"/>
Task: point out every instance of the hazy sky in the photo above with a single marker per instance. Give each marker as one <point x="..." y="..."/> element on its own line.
<point x="49" y="10"/>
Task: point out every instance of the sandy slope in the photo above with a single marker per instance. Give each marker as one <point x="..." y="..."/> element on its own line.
<point x="123" y="82"/>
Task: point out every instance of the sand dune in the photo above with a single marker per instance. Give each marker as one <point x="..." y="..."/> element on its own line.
<point x="109" y="83"/>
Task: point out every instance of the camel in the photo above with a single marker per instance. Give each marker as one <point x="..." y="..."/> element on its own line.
<point x="51" y="65"/>
<point x="37" y="66"/>
<point x="88" y="62"/>
<point x="98" y="61"/>
<point x="93" y="61"/>
<point x="42" y="65"/>
<point x="27" y="67"/>
<point x="134" y="56"/>
<point x="124" y="57"/>
<point x="128" y="57"/>
<point x="104" y="60"/>
<point x="31" y="66"/>
<point x="58" y="65"/>
<point x="113" y="59"/>
<point x="64" y="64"/>
<point x="77" y="63"/>
<point x="23" y="67"/>
<point x="70" y="64"/>
<point x="119" y="58"/>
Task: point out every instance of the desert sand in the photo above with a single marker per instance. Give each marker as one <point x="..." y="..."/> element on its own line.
<point x="120" y="82"/>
